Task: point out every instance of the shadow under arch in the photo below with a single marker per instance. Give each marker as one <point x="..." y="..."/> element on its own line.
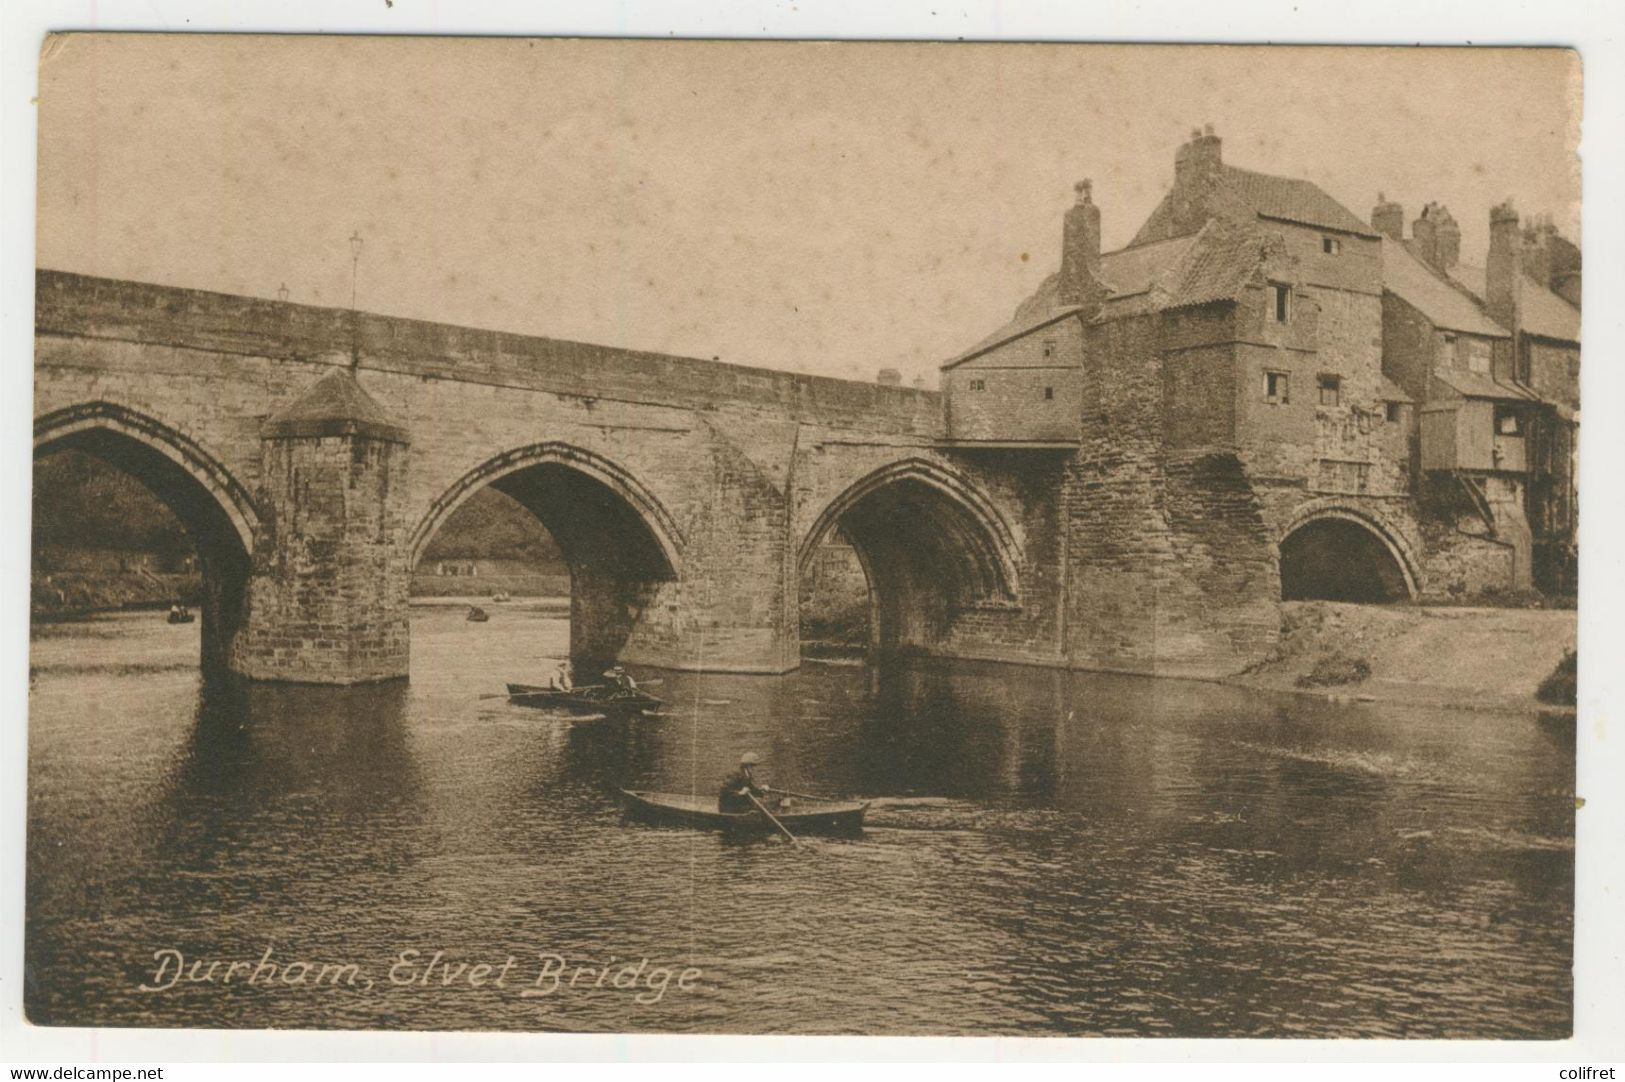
<point x="620" y="542"/>
<point x="1336" y="553"/>
<point x="215" y="509"/>
<point x="930" y="544"/>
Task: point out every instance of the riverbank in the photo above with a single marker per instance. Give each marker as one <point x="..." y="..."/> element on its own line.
<point x="1479" y="658"/>
<point x="65" y="595"/>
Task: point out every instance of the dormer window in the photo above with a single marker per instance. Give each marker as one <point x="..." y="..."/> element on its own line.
<point x="1331" y="245"/>
<point x="1282" y="296"/>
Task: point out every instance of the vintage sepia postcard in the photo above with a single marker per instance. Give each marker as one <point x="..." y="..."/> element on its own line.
<point x="635" y="536"/>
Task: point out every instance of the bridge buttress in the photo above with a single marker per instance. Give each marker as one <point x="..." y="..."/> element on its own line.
<point x="327" y="595"/>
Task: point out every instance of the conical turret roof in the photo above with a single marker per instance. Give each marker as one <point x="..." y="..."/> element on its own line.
<point x="335" y="405"/>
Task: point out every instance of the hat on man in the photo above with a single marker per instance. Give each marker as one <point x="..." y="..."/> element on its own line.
<point x="750" y="758"/>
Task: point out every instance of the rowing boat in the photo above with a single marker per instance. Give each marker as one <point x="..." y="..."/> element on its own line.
<point x="595" y="699"/>
<point x="803" y="816"/>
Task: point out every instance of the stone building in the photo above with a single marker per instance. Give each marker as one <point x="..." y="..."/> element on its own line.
<point x="1493" y="353"/>
<point x="1310" y="366"/>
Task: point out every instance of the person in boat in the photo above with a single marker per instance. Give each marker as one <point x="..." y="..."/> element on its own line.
<point x="620" y="681"/>
<point x="741" y="786"/>
<point x="561" y="677"/>
<point x="175" y="610"/>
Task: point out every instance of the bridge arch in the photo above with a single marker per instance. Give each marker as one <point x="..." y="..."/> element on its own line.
<point x="1337" y="551"/>
<point x="216" y="510"/>
<point x="931" y="544"/>
<point x="623" y="547"/>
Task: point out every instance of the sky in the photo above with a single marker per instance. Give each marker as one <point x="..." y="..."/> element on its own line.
<point x="824" y="208"/>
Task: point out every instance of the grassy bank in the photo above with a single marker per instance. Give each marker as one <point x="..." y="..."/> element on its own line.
<point x="65" y="594"/>
<point x="1484" y="658"/>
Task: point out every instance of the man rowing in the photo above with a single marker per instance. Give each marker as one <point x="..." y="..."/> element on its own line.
<point x="741" y="791"/>
<point x="621" y="680"/>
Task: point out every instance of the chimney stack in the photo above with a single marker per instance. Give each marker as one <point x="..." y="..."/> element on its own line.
<point x="1080" y="281"/>
<point x="1388" y="218"/>
<point x="1438" y="237"/>
<point x="1503" y="278"/>
<point x="1200" y="158"/>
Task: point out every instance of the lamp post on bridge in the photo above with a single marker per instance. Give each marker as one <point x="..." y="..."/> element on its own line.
<point x="355" y="331"/>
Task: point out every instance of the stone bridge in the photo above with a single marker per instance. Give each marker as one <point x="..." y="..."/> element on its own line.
<point x="312" y="453"/>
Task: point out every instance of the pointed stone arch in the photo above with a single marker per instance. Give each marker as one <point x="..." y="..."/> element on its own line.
<point x="662" y="526"/>
<point x="80" y="424"/>
<point x="215" y="508"/>
<point x="931" y="543"/>
<point x="1401" y="577"/>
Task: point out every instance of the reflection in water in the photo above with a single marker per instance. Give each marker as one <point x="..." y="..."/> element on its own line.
<point x="1049" y="853"/>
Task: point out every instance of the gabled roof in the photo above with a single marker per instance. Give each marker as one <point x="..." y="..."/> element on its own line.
<point x="1016" y="328"/>
<point x="1442" y="302"/>
<point x="1543" y="312"/>
<point x="1212" y="265"/>
<point x="1292" y="200"/>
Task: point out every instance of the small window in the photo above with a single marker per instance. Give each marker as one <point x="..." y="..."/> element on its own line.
<point x="1275" y="388"/>
<point x="1508" y="422"/>
<point x="1283" y="302"/>
<point x="1391" y="412"/>
<point x="1049" y="392"/>
<point x="1478" y="356"/>
<point x="1049" y="347"/>
<point x="1331" y="390"/>
<point x="1331" y="245"/>
<point x="978" y="385"/>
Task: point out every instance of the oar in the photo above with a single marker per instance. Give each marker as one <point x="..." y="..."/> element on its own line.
<point x="803" y="796"/>
<point x="770" y="816"/>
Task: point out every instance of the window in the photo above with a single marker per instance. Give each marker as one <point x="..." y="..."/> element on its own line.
<point x="1508" y="422"/>
<point x="1275" y="388"/>
<point x="1478" y="356"/>
<point x="1049" y="347"/>
<point x="1049" y="392"/>
<point x="978" y="385"/>
<point x="1331" y="245"/>
<point x="1392" y="411"/>
<point x="1283" y="302"/>
<point x="1331" y="390"/>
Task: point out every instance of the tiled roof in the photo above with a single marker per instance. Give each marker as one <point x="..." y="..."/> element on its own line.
<point x="1212" y="265"/>
<point x="1447" y="306"/>
<point x="1544" y="312"/>
<point x="334" y="404"/>
<point x="1219" y="266"/>
<point x="1293" y="200"/>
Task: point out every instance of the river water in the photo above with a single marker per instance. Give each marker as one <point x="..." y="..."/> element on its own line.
<point x="1096" y="855"/>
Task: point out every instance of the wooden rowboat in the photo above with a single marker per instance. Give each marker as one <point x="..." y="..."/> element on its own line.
<point x="592" y="699"/>
<point x="803" y="816"/>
